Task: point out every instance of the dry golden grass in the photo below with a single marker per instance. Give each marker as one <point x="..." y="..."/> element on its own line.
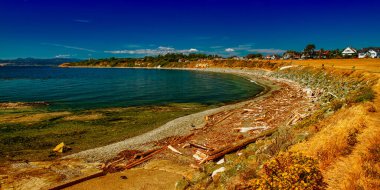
<point x="361" y="169"/>
<point x="369" y="65"/>
<point x="348" y="146"/>
<point x="337" y="136"/>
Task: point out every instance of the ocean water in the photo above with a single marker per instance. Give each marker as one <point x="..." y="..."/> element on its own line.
<point x="89" y="88"/>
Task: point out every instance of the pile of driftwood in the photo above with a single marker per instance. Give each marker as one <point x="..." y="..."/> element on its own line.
<point x="140" y="158"/>
<point x="216" y="154"/>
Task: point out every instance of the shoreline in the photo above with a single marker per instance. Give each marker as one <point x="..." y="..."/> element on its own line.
<point x="180" y="126"/>
<point x="214" y="128"/>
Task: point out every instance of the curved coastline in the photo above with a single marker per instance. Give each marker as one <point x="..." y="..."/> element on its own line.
<point x="180" y="126"/>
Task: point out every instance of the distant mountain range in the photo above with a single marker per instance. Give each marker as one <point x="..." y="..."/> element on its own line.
<point x="36" y="62"/>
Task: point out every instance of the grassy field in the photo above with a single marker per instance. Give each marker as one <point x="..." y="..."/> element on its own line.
<point x="369" y="65"/>
<point x="31" y="134"/>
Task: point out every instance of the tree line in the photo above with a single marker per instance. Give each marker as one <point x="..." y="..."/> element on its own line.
<point x="159" y="60"/>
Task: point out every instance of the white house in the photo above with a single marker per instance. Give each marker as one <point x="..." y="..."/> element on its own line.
<point x="372" y="53"/>
<point x="362" y="55"/>
<point x="349" y="51"/>
<point x="369" y="53"/>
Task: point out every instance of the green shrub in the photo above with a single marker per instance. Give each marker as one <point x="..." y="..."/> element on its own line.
<point x="289" y="171"/>
<point x="365" y="94"/>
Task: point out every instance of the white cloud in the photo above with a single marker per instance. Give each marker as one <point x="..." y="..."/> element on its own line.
<point x="268" y="51"/>
<point x="62" y="56"/>
<point x="192" y="50"/>
<point x="162" y="48"/>
<point x="229" y="50"/>
<point x="158" y="51"/>
<point x="69" y="47"/>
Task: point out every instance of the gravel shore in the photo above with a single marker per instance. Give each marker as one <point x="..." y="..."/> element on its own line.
<point x="180" y="126"/>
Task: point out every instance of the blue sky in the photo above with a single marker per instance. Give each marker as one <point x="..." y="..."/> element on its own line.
<point x="126" y="28"/>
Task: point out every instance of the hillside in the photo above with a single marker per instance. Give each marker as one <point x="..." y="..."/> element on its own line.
<point x="36" y="62"/>
<point x="203" y="61"/>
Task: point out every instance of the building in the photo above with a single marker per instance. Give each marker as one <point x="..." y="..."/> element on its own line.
<point x="373" y="53"/>
<point x="272" y="57"/>
<point x="349" y="51"/>
<point x="291" y="55"/>
<point x="369" y="53"/>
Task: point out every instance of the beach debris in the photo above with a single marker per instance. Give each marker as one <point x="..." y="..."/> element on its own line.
<point x="249" y="110"/>
<point x="145" y="156"/>
<point x="199" y="155"/>
<point x="200" y="146"/>
<point x="260" y="119"/>
<point x="186" y="145"/>
<point x="253" y="81"/>
<point x="246" y="129"/>
<point x="61" y="148"/>
<point x="236" y="146"/>
<point x="220" y="170"/>
<point x="174" y="150"/>
<point x="221" y="161"/>
<point x="225" y="117"/>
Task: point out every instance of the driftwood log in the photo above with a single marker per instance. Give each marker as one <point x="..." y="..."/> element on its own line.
<point x="201" y="146"/>
<point x="236" y="146"/>
<point x="77" y="180"/>
<point x="143" y="157"/>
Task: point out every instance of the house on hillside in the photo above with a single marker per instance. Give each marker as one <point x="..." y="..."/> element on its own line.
<point x="320" y="54"/>
<point x="272" y="57"/>
<point x="349" y="51"/>
<point x="372" y="53"/>
<point x="369" y="53"/>
<point x="362" y="54"/>
<point x="238" y="58"/>
<point x="291" y="55"/>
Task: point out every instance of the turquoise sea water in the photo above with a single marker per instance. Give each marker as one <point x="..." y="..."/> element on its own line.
<point x="89" y="88"/>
